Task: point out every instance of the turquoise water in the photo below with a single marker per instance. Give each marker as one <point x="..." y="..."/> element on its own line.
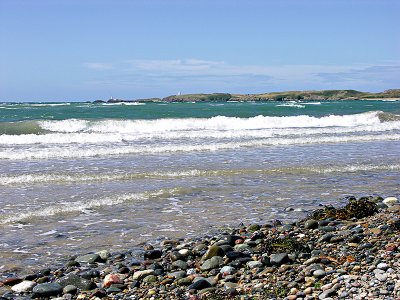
<point x="80" y="177"/>
<point x="150" y="111"/>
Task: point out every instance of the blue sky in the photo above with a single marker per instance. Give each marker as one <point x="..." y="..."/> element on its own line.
<point x="55" y="50"/>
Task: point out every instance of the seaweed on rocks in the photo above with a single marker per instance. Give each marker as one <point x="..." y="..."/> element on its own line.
<point x="286" y="244"/>
<point x="358" y="209"/>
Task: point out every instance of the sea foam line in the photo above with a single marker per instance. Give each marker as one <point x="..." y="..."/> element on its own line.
<point x="82" y="178"/>
<point x="79" y="152"/>
<point x="81" y="206"/>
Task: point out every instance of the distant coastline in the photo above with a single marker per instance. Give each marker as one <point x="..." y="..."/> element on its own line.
<point x="392" y="94"/>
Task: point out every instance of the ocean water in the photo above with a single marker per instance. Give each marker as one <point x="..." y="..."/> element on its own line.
<point x="81" y="177"/>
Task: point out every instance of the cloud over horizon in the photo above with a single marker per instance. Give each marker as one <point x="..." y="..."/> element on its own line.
<point x="208" y="75"/>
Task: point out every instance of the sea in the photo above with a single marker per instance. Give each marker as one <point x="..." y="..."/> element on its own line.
<point x="82" y="177"/>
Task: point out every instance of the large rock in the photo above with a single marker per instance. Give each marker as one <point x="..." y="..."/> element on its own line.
<point x="24" y="286"/>
<point x="199" y="285"/>
<point x="180" y="264"/>
<point x="278" y="259"/>
<point x="212" y="263"/>
<point x="311" y="224"/>
<point x="214" y="250"/>
<point x="79" y="282"/>
<point x="138" y="275"/>
<point x="104" y="254"/>
<point x="390" y="201"/>
<point x="253" y="264"/>
<point x="47" y="290"/>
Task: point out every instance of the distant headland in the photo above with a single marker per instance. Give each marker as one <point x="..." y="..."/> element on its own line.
<point x="273" y="96"/>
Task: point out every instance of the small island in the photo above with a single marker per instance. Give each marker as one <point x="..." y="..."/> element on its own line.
<point x="272" y="96"/>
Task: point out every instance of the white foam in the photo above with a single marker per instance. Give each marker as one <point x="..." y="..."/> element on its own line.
<point x="291" y="105"/>
<point x="112" y="150"/>
<point x="133" y="103"/>
<point x="48" y="233"/>
<point x="311" y="103"/>
<point x="50" y="104"/>
<point x="214" y="123"/>
<point x="81" y="206"/>
<point x="102" y="138"/>
<point x="70" y="125"/>
<point x="79" y="178"/>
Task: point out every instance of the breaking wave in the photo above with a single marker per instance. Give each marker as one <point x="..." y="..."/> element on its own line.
<point x="214" y="123"/>
<point x="76" y="138"/>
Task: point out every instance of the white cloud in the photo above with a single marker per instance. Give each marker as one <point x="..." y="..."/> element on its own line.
<point x="203" y="74"/>
<point x="99" y="66"/>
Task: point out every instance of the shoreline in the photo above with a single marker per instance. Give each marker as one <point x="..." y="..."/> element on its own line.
<point x="346" y="252"/>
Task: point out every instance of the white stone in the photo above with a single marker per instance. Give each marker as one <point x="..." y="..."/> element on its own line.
<point x="254" y="264"/>
<point x="24" y="286"/>
<point x="381" y="277"/>
<point x="184" y="252"/>
<point x="141" y="274"/>
<point x="382" y="266"/>
<point x="390" y="201"/>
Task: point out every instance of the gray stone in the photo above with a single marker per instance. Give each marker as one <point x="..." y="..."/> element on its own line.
<point x="311" y="224"/>
<point x="366" y="246"/>
<point x="212" y="263"/>
<point x="112" y="290"/>
<point x="227" y="270"/>
<point x="184" y="281"/>
<point x="70" y="289"/>
<point x="138" y="275"/>
<point x="214" y="250"/>
<point x="199" y="285"/>
<point x="254" y="264"/>
<point x="381" y="277"/>
<point x="79" y="282"/>
<point x="312" y="260"/>
<point x="178" y="275"/>
<point x="104" y="254"/>
<point x="150" y="278"/>
<point x="200" y="247"/>
<point x="230" y="285"/>
<point x="327" y="228"/>
<point x="88" y="258"/>
<point x="47" y="290"/>
<point x="210" y="290"/>
<point x="180" y="264"/>
<point x="240" y="247"/>
<point x="278" y="259"/>
<point x="319" y="273"/>
<point x="326" y="237"/>
<point x="382" y="266"/>
<point x="326" y="294"/>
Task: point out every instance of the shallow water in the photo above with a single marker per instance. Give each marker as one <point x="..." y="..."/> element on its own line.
<point x="80" y="185"/>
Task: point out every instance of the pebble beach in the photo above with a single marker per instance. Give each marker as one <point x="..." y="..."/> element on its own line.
<point x="349" y="252"/>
